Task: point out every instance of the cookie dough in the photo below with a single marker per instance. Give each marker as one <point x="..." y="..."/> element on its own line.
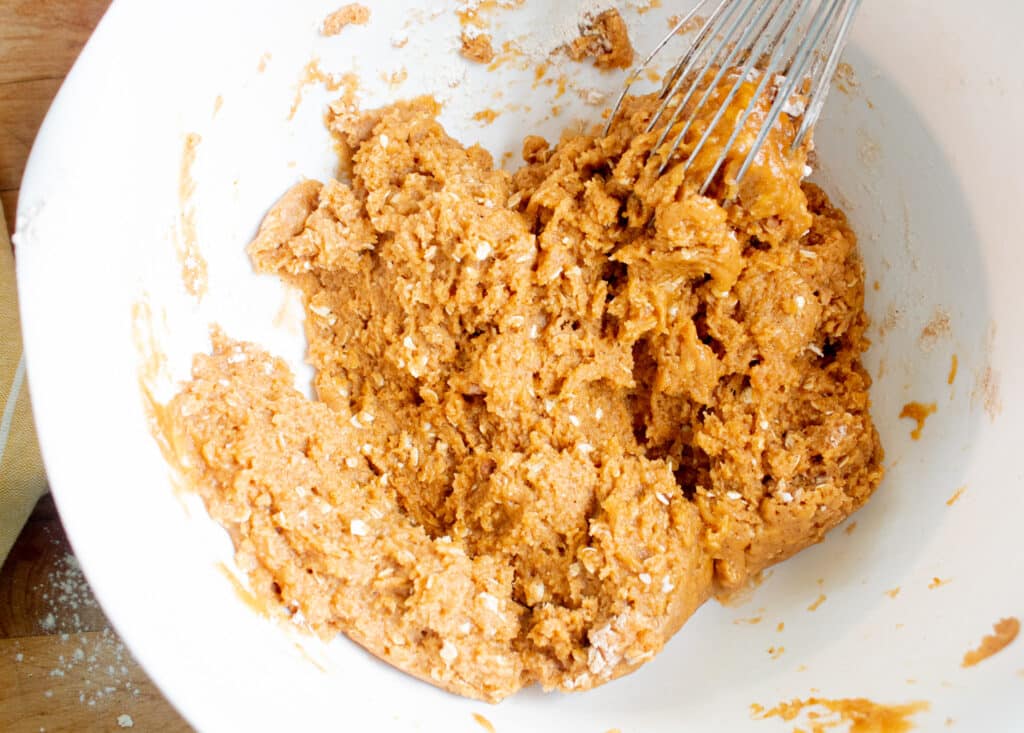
<point x="477" y="47"/>
<point x="351" y="14"/>
<point x="555" y="410"/>
<point x="605" y="39"/>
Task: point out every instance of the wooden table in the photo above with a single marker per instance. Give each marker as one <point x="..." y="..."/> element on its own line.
<point x="62" y="668"/>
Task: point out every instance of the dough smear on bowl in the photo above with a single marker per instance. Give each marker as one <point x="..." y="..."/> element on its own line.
<point x="555" y="410"/>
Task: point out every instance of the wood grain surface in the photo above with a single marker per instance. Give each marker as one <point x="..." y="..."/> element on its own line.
<point x="39" y="40"/>
<point x="62" y="668"/>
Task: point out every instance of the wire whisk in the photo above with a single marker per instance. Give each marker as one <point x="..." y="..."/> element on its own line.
<point x="794" y="44"/>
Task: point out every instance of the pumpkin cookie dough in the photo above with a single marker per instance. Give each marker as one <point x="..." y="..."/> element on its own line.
<point x="605" y="39"/>
<point x="477" y="47"/>
<point x="555" y="410"/>
<point x="351" y="14"/>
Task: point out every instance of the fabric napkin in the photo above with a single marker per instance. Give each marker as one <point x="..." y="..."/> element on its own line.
<point x="22" y="479"/>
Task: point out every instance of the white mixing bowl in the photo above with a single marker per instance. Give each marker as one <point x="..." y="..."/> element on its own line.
<point x="927" y="157"/>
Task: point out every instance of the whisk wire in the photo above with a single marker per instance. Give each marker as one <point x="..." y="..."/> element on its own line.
<point x="682" y="74"/>
<point x="707" y="28"/>
<point x="755" y="29"/>
<point x="791" y="15"/>
<point x="682" y="23"/>
<point x="824" y="78"/>
<point x="771" y="40"/>
<point x="731" y="48"/>
<point x="794" y="80"/>
<point x="758" y="29"/>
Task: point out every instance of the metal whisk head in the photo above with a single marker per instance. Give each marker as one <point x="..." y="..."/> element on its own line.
<point x="801" y="40"/>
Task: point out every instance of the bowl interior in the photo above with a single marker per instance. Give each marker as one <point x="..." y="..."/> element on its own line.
<point x="913" y="151"/>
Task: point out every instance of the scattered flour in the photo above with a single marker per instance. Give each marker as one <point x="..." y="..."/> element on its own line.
<point x="564" y="28"/>
<point x="93" y="658"/>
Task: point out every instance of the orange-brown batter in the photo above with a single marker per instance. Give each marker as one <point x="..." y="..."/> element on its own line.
<point x="556" y="410"/>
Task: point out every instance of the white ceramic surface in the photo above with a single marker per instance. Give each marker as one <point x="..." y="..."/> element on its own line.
<point x="926" y="156"/>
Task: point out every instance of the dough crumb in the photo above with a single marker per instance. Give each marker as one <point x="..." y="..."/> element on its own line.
<point x="486" y="116"/>
<point x="1004" y="632"/>
<point x="351" y="14"/>
<point x="477" y="47"/>
<point x="846" y="78"/>
<point x="694" y="23"/>
<point x="956" y="495"/>
<point x="395" y="78"/>
<point x="604" y="39"/>
<point x="854" y="714"/>
<point x="484" y="723"/>
<point x="919" y="413"/>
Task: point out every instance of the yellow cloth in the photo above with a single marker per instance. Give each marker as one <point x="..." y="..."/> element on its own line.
<point x="22" y="480"/>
